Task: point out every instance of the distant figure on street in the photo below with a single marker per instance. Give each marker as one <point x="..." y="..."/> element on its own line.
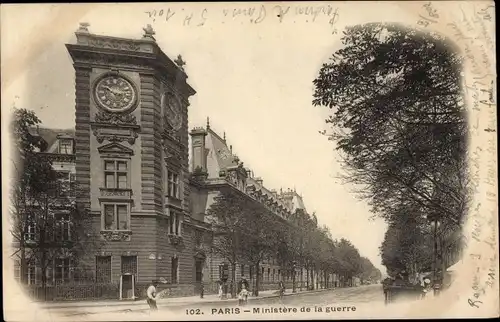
<point x="281" y="288"/>
<point x="243" y="282"/>
<point x="221" y="291"/>
<point x="427" y="287"/>
<point x="243" y="296"/>
<point x="386" y="283"/>
<point x="151" y="293"/>
<point x="202" y="289"/>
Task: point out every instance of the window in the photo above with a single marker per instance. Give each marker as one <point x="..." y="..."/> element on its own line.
<point x="274" y="272"/>
<point x="115" y="217"/>
<point x="129" y="265"/>
<point x="242" y="270"/>
<point x="31" y="273"/>
<point x="173" y="185"/>
<point x="115" y="174"/>
<point x="62" y="229"/>
<point x="175" y="223"/>
<point x="65" y="181"/>
<point x="62" y="270"/>
<point x="175" y="270"/>
<point x="30" y="235"/>
<point x="65" y="146"/>
<point x="198" y="270"/>
<point x="268" y="274"/>
<point x="103" y="269"/>
<point x="251" y="272"/>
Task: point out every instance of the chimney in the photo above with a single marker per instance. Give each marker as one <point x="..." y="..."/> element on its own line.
<point x="274" y="193"/>
<point x="199" y="160"/>
<point x="259" y="181"/>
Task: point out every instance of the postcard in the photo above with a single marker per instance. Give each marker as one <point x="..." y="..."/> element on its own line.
<point x="249" y="161"/>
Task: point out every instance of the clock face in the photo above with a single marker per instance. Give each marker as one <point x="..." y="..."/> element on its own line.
<point x="172" y="111"/>
<point x="115" y="93"/>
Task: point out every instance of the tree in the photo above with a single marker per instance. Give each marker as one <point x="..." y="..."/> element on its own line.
<point x="399" y="120"/>
<point x="46" y="222"/>
<point x="226" y="217"/>
<point x="31" y="173"/>
<point x="262" y="231"/>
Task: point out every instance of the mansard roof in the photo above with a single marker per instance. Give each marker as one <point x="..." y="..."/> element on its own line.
<point x="52" y="136"/>
<point x="220" y="157"/>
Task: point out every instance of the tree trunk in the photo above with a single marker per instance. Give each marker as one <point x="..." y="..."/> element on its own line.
<point x="312" y="278"/>
<point x="23" y="267"/>
<point x="307" y="277"/>
<point x="233" y="280"/>
<point x="43" y="267"/>
<point x="301" y="277"/>
<point x="257" y="279"/>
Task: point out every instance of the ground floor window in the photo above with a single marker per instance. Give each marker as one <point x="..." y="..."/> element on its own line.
<point x="129" y="265"/>
<point x="103" y="269"/>
<point x="62" y="269"/>
<point x="198" y="270"/>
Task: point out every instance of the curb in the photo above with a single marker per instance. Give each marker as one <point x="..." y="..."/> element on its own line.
<point x="144" y="306"/>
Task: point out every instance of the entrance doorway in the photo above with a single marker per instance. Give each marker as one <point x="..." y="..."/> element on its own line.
<point x="127" y="287"/>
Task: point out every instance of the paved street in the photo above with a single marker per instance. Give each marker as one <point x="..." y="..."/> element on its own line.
<point x="370" y="294"/>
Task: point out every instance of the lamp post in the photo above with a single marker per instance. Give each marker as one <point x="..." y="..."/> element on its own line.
<point x="434" y="219"/>
<point x="294" y="265"/>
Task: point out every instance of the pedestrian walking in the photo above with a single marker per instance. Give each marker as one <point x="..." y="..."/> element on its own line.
<point x="281" y="288"/>
<point x="243" y="282"/>
<point x="151" y="294"/>
<point x="202" y="289"/>
<point x="243" y="296"/>
<point x="221" y="292"/>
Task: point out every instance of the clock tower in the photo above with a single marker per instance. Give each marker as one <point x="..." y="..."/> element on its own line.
<point x="131" y="146"/>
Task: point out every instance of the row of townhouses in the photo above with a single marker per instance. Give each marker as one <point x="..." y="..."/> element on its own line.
<point x="146" y="187"/>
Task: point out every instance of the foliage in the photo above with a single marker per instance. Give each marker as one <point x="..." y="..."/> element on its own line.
<point x="248" y="232"/>
<point x="399" y="124"/>
<point x="46" y="222"/>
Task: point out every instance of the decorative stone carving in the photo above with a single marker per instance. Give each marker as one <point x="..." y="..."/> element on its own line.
<point x="172" y="157"/>
<point x="114" y="43"/>
<point x="59" y="157"/>
<point x="116" y="235"/>
<point x="84" y="27"/>
<point x="148" y="32"/>
<point x="175" y="239"/>
<point x="100" y="137"/>
<point x="232" y="177"/>
<point x="115" y="118"/>
<point x="115" y="148"/>
<point x="180" y="62"/>
<point x="107" y="192"/>
<point x="115" y="127"/>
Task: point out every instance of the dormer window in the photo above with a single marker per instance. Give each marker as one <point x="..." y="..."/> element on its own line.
<point x="65" y="146"/>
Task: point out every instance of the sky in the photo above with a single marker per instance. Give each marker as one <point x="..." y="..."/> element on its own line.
<point x="254" y="81"/>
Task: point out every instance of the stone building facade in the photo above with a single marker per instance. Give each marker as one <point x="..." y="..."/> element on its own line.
<point x="129" y="155"/>
<point x="216" y="168"/>
<point x="131" y="159"/>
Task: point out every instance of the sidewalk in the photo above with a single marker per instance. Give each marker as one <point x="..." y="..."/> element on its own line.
<point x="165" y="302"/>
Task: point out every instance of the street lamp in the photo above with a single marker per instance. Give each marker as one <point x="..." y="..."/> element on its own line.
<point x="294" y="265"/>
<point x="434" y="219"/>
